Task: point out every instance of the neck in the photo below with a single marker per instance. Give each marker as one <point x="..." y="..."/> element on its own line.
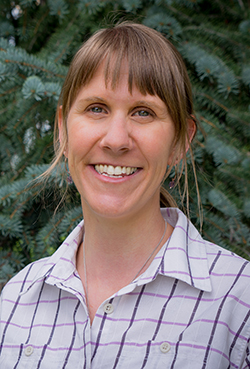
<point x="116" y="252"/>
<point x="120" y="243"/>
<point x="122" y="236"/>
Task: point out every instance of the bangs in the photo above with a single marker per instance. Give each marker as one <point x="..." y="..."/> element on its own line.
<point x="141" y="70"/>
<point x="148" y="67"/>
<point x="149" y="70"/>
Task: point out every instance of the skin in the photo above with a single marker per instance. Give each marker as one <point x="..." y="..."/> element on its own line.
<point x="123" y="223"/>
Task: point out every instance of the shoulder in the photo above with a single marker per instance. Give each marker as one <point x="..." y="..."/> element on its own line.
<point x="188" y="234"/>
<point x="24" y="279"/>
<point x="204" y="260"/>
<point x="35" y="273"/>
<point x="227" y="266"/>
<point x="11" y="296"/>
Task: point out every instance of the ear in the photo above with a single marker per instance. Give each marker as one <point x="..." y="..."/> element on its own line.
<point x="62" y="131"/>
<point x="192" y="128"/>
<point x="177" y="152"/>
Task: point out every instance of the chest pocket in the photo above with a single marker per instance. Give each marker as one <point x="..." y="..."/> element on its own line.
<point x="164" y="355"/>
<point x="151" y="354"/>
<point x="30" y="357"/>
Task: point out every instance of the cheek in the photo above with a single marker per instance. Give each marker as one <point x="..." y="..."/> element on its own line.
<point x="78" y="140"/>
<point x="163" y="148"/>
<point x="158" y="160"/>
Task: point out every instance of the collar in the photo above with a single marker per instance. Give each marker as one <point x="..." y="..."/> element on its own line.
<point x="59" y="268"/>
<point x="182" y="257"/>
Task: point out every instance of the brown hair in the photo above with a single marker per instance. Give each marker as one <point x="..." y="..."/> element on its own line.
<point x="155" y="68"/>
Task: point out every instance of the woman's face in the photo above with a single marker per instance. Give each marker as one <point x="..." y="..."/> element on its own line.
<point x="118" y="148"/>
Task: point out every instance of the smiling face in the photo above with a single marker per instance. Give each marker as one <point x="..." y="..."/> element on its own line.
<point x="118" y="147"/>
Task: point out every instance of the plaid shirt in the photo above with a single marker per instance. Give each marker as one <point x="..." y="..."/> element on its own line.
<point x="189" y="309"/>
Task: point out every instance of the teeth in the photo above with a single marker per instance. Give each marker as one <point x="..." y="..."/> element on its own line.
<point x="111" y="171"/>
<point x="118" y="171"/>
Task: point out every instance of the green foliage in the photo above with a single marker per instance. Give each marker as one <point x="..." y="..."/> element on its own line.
<point x="163" y="23"/>
<point x="37" y="41"/>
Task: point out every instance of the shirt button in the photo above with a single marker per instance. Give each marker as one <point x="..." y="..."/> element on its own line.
<point x="108" y="308"/>
<point x="165" y="347"/>
<point x="29" y="350"/>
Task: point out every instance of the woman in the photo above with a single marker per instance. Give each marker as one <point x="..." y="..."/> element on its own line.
<point x="133" y="285"/>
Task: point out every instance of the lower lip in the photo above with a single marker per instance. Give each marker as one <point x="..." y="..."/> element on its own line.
<point x="117" y="179"/>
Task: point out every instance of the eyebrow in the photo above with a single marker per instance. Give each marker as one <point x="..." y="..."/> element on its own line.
<point x="148" y="104"/>
<point x="93" y="99"/>
<point x="97" y="98"/>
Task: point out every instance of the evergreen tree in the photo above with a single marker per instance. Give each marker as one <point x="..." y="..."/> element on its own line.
<point x="38" y="39"/>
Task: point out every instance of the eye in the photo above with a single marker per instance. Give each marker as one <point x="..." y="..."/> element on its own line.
<point x="96" y="109"/>
<point x="143" y="113"/>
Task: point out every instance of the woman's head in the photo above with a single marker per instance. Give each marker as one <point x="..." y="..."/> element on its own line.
<point x="154" y="67"/>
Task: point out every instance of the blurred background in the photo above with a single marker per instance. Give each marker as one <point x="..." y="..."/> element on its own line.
<point x="37" y="41"/>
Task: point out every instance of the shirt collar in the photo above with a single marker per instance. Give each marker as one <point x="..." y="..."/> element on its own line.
<point x="60" y="267"/>
<point x="182" y="257"/>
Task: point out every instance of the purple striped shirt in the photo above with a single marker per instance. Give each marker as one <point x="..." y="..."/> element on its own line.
<point x="190" y="309"/>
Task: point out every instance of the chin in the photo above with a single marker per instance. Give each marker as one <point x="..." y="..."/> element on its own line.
<point x="109" y="208"/>
<point x="102" y="207"/>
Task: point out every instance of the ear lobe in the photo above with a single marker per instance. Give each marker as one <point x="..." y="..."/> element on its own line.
<point x="62" y="133"/>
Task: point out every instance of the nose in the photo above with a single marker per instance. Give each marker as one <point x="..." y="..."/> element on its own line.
<point x="117" y="137"/>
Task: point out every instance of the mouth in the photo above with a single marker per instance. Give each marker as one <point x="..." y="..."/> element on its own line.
<point x="114" y="172"/>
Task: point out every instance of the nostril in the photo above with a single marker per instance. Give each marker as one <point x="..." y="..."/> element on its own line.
<point x="116" y="148"/>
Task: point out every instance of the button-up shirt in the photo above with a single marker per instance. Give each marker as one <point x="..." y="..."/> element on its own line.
<point x="190" y="309"/>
